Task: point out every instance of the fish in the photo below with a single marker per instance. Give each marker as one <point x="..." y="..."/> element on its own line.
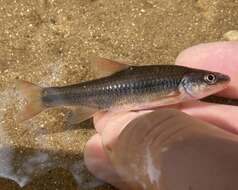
<point x="120" y="86"/>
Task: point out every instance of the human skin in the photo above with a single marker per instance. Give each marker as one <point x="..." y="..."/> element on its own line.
<point x="220" y="56"/>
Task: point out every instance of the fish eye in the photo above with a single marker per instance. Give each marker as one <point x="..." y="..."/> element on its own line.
<point x="210" y="78"/>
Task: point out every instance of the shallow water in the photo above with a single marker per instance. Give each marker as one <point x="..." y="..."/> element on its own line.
<point x="50" y="42"/>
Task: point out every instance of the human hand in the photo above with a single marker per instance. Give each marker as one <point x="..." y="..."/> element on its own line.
<point x="221" y="57"/>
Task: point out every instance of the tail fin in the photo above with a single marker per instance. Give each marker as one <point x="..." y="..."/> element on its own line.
<point x="34" y="105"/>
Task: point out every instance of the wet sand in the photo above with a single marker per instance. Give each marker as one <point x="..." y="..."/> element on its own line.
<point x="50" y="42"/>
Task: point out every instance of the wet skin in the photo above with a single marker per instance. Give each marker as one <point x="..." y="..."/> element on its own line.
<point x="220" y="57"/>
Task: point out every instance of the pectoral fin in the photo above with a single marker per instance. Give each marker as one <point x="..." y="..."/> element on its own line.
<point x="104" y="67"/>
<point x="80" y="113"/>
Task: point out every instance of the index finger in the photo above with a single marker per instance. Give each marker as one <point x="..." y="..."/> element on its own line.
<point x="218" y="56"/>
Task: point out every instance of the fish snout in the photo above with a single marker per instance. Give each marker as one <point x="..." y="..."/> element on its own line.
<point x="223" y="78"/>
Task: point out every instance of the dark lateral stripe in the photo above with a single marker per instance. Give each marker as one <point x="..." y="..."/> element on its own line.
<point x="221" y="100"/>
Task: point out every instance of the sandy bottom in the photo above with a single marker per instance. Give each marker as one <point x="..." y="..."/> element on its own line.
<point x="50" y="42"/>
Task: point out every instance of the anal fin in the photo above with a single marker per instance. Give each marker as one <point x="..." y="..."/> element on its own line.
<point x="80" y="113"/>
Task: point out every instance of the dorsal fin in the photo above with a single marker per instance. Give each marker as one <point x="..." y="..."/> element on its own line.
<point x="103" y="67"/>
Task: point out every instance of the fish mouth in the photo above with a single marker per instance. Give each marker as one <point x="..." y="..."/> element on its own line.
<point x="224" y="78"/>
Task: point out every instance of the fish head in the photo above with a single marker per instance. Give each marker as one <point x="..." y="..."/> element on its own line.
<point x="200" y="83"/>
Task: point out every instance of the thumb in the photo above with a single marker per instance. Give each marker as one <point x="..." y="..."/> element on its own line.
<point x="154" y="148"/>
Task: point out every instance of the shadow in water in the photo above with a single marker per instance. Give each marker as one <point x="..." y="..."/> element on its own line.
<point x="88" y="124"/>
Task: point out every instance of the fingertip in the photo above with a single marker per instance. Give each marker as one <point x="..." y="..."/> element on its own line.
<point x="92" y="149"/>
<point x="108" y="118"/>
<point x="209" y="55"/>
<point x="97" y="119"/>
<point x="99" y="164"/>
<point x="116" y="124"/>
<point x="113" y="118"/>
<point x="97" y="161"/>
<point x="103" y="118"/>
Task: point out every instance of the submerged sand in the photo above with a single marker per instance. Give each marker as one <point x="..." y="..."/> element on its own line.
<point x="50" y="42"/>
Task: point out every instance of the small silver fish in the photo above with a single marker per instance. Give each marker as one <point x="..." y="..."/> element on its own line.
<point x="124" y="87"/>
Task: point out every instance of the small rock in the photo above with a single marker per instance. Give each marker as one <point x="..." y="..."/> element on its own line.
<point x="231" y="35"/>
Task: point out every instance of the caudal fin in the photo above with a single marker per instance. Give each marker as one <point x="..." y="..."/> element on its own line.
<point x="34" y="105"/>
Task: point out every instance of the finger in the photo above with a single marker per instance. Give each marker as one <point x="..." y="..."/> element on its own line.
<point x="219" y="56"/>
<point x="115" y="119"/>
<point x="105" y="118"/>
<point x="223" y="116"/>
<point x="98" y="163"/>
<point x="116" y="123"/>
<point x="98" y="118"/>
